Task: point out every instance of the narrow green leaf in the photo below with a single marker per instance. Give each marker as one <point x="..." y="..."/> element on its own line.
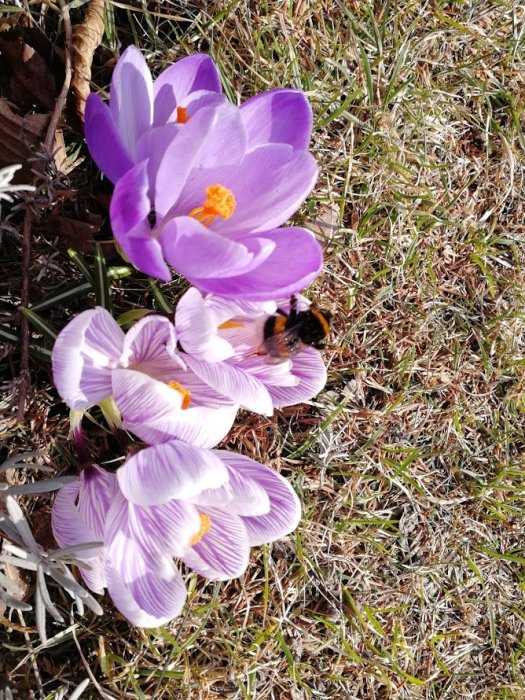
<point x="101" y="280"/>
<point x="128" y="318"/>
<point x="63" y="296"/>
<point x="163" y="303"/>
<point x="80" y="262"/>
<point x="37" y="352"/>
<point x="38" y="322"/>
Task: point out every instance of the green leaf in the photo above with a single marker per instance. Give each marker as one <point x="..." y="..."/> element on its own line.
<point x="38" y="322"/>
<point x="163" y="303"/>
<point x="79" y="261"/>
<point x="101" y="280"/>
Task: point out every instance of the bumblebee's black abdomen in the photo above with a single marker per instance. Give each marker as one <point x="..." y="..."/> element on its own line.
<point x="313" y="326"/>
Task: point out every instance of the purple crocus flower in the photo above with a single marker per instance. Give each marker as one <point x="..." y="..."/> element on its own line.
<point x="222" y="340"/>
<point x="157" y="395"/>
<point x="138" y="104"/>
<point x="205" y="507"/>
<point x="217" y="181"/>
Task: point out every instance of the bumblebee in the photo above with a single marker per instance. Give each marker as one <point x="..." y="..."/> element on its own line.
<point x="285" y="334"/>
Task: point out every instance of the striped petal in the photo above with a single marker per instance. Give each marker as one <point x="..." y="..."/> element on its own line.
<point x="170" y="470"/>
<point x="84" y="354"/>
<point x="222" y="552"/>
<point x="285" y="508"/>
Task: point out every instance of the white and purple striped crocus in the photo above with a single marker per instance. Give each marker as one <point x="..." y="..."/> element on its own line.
<point x="208" y="193"/>
<point x="157" y="395"/>
<point x="172" y="500"/>
<point x="222" y="342"/>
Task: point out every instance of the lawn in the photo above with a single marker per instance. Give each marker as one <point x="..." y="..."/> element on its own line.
<point x="405" y="577"/>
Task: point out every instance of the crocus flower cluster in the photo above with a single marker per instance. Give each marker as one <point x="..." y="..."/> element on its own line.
<point x="203" y="186"/>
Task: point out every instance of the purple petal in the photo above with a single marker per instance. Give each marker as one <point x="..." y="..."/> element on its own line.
<point x="240" y="494"/>
<point x="222" y="553"/>
<point x="196" y="252"/>
<point x="145" y="252"/>
<point x="278" y="116"/>
<point x="146" y="341"/>
<point x="178" y="160"/>
<point x="103" y="140"/>
<point x="273" y="279"/>
<point x="129" y="210"/>
<point x="269" y="185"/>
<point x="285" y="511"/>
<point x="175" y="84"/>
<point x="197" y="329"/>
<point x="130" y="204"/>
<point x="237" y="385"/>
<point x="152" y="410"/>
<point x="84" y="354"/>
<point x="97" y="491"/>
<point x="131" y="97"/>
<point x="149" y="600"/>
<point x="70" y="529"/>
<point x="170" y="470"/>
<point x="309" y="367"/>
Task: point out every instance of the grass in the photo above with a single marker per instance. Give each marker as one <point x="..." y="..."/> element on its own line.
<point x="405" y="578"/>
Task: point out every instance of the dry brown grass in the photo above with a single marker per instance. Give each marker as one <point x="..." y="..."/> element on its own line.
<point x="405" y="578"/>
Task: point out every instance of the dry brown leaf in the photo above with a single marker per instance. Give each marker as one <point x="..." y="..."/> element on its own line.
<point x="80" y="233"/>
<point x="31" y="82"/>
<point x="327" y="221"/>
<point x="86" y="38"/>
<point x="18" y="137"/>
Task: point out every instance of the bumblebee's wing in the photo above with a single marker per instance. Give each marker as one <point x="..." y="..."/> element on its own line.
<point x="283" y="344"/>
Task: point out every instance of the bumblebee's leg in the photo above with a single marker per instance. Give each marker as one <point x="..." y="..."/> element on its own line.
<point x="292" y="316"/>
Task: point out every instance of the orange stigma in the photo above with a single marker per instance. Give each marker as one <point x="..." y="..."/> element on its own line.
<point x="205" y="526"/>
<point x="182" y="115"/>
<point x="186" y="395"/>
<point x="219" y="202"/>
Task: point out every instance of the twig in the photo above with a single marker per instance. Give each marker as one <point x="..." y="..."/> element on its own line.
<point x="25" y="378"/>
<point x="61" y="100"/>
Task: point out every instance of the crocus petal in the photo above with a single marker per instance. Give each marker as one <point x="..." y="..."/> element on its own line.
<point x="103" y="140"/>
<point x="285" y="510"/>
<point x="273" y="279"/>
<point x="196" y="252"/>
<point x="152" y="410"/>
<point x="149" y="600"/>
<point x="145" y="252"/>
<point x="130" y="204"/>
<point x="239" y="386"/>
<point x="70" y="529"/>
<point x="278" y="116"/>
<point x="239" y="494"/>
<point x="309" y="367"/>
<point x="131" y="80"/>
<point x="269" y="185"/>
<point x="84" y="354"/>
<point x="97" y="490"/>
<point x="222" y="552"/>
<point x="197" y="329"/>
<point x="176" y="83"/>
<point x="146" y="341"/>
<point x="170" y="470"/>
<point x="177" y="163"/>
<point x="143" y="583"/>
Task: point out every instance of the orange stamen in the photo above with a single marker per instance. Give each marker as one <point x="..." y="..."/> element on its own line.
<point x="219" y="202"/>
<point x="186" y="395"/>
<point x="231" y="324"/>
<point x="205" y="526"/>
